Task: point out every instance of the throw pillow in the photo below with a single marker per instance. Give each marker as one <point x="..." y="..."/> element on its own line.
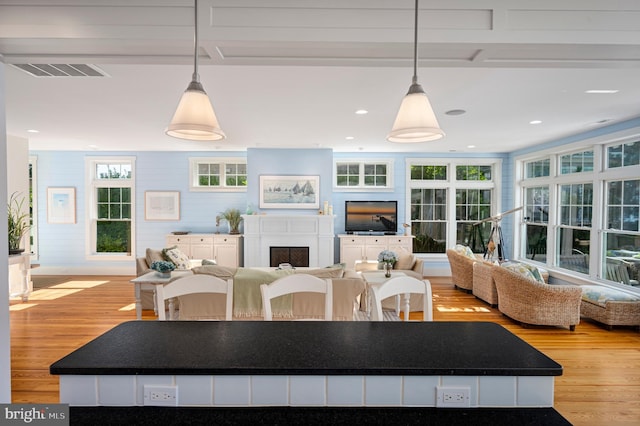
<point x="524" y="269"/>
<point x="175" y="255"/>
<point x="405" y="261"/>
<point x="153" y="255"/>
<point x="206" y="262"/>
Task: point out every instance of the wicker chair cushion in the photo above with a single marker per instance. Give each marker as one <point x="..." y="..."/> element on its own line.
<point x="524" y="269"/>
<point x="601" y="295"/>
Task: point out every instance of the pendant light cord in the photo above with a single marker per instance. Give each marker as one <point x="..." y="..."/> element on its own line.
<point x="415" y="46"/>
<point x="195" y="76"/>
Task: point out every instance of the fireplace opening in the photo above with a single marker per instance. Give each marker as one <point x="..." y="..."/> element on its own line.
<point x="295" y="256"/>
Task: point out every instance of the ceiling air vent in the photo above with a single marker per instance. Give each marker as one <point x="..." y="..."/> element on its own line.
<point x="61" y="70"/>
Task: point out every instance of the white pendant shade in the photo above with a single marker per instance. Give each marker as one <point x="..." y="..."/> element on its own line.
<point x="194" y="118"/>
<point x="415" y="121"/>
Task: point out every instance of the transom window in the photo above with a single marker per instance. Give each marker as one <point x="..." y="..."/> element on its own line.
<point x="623" y="155"/>
<point x="363" y="175"/>
<point x="577" y="162"/>
<point x="218" y="174"/>
<point x="537" y="168"/>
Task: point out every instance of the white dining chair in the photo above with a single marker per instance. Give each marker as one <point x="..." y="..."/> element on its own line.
<point x="297" y="283"/>
<point x="402" y="286"/>
<point x="194" y="284"/>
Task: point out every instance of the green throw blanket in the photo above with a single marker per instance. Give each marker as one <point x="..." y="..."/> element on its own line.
<point x="247" y="298"/>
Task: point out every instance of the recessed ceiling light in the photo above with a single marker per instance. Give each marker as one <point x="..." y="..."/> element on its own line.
<point x="602" y="91"/>
<point x="455" y="112"/>
<point x="93" y="146"/>
<point x="535" y="122"/>
<point x="362" y="112"/>
<point x="33" y="131"/>
<point x="471" y="146"/>
<point x="349" y="138"/>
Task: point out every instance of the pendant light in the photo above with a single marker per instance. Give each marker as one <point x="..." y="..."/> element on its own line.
<point x="415" y="121"/>
<point x="194" y="118"/>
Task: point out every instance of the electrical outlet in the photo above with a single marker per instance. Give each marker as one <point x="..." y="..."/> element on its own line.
<point x="161" y="395"/>
<point x="449" y="396"/>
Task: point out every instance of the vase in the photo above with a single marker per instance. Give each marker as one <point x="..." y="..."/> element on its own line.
<point x="163" y="274"/>
<point x="15" y="251"/>
<point x="387" y="269"/>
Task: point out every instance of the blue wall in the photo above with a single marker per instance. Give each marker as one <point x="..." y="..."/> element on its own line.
<point x="63" y="246"/>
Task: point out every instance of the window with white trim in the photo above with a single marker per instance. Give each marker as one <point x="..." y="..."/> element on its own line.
<point x="357" y="175"/>
<point x="218" y="174"/>
<point x="110" y="200"/>
<point x="588" y="208"/>
<point x="463" y="189"/>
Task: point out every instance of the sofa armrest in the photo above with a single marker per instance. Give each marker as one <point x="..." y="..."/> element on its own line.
<point x="141" y="266"/>
<point x="419" y="266"/>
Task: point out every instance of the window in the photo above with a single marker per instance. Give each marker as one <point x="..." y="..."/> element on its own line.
<point x="358" y="175"/>
<point x="110" y="195"/>
<point x="436" y="197"/>
<point x="537" y="168"/>
<point x="577" y="162"/>
<point x="584" y="217"/>
<point x="574" y="239"/>
<point x="536" y="217"/>
<point x="623" y="155"/>
<point x="218" y="174"/>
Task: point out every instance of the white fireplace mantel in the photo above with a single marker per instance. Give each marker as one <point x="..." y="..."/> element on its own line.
<point x="264" y="231"/>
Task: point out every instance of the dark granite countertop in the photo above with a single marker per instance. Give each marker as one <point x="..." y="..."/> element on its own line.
<point x="307" y="348"/>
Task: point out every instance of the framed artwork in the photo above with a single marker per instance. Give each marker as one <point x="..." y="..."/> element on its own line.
<point x="61" y="205"/>
<point x="289" y="192"/>
<point x="162" y="205"/>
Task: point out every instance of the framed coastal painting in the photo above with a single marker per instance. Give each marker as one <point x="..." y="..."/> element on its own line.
<point x="61" y="205"/>
<point x="162" y="205"/>
<point x="289" y="192"/>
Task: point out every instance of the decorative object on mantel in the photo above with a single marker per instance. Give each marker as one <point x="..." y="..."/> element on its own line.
<point x="194" y="118"/>
<point x="233" y="217"/>
<point x="18" y="223"/>
<point x="163" y="268"/>
<point x="416" y="121"/>
<point x="387" y="258"/>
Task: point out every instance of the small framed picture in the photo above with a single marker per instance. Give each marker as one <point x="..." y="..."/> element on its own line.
<point x="61" y="205"/>
<point x="162" y="205"/>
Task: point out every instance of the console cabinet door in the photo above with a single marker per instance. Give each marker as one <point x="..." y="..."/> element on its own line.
<point x="227" y="250"/>
<point x="401" y="244"/>
<point x="351" y="250"/>
<point x="373" y="247"/>
<point x="201" y="248"/>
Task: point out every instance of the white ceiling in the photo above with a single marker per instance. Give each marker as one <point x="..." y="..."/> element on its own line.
<point x="285" y="73"/>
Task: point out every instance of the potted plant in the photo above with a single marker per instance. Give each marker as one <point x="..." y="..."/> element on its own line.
<point x="233" y="217"/>
<point x="18" y="223"/>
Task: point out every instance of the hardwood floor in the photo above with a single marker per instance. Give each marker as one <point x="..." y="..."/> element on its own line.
<point x="600" y="384"/>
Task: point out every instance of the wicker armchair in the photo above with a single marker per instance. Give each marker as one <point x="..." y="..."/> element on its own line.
<point x="531" y="302"/>
<point x="484" y="288"/>
<point x="461" y="270"/>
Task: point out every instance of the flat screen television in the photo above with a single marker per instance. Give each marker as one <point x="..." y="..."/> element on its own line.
<point x="371" y="216"/>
